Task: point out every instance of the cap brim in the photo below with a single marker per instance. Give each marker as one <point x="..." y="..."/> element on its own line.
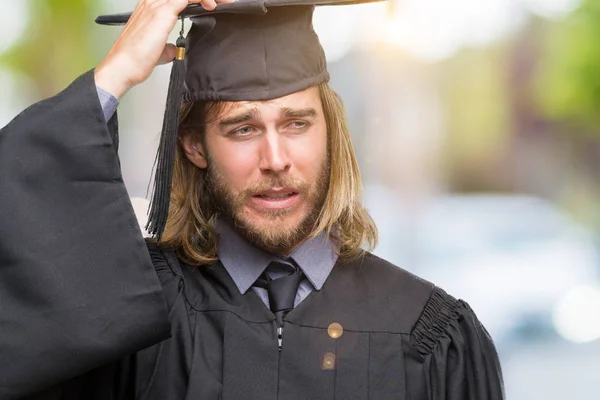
<point x="241" y="6"/>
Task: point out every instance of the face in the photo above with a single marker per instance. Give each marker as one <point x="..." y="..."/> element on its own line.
<point x="267" y="166"/>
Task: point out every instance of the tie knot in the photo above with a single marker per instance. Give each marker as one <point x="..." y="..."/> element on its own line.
<point x="281" y="280"/>
<point x="277" y="269"/>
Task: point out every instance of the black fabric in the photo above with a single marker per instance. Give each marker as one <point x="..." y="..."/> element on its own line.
<point x="79" y="299"/>
<point x="77" y="287"/>
<point x="282" y="290"/>
<point x="235" y="57"/>
<point x="224" y="344"/>
<point x="387" y="314"/>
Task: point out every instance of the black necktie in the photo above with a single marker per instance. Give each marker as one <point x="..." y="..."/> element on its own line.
<point x="282" y="291"/>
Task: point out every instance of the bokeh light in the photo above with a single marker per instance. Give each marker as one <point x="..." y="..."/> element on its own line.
<point x="14" y="17"/>
<point x="577" y="314"/>
<point x="328" y="363"/>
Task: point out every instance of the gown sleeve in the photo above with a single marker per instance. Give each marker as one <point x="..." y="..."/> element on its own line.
<point x="77" y="285"/>
<point x="459" y="358"/>
<point x="161" y="369"/>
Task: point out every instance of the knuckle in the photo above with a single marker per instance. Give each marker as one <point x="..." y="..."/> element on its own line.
<point x="155" y="5"/>
<point x="176" y="5"/>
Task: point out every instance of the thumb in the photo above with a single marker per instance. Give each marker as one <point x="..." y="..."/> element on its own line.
<point x="168" y="54"/>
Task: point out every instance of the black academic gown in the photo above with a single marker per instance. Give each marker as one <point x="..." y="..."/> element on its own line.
<point x="86" y="308"/>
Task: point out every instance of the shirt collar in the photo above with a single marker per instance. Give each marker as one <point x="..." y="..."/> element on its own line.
<point x="245" y="262"/>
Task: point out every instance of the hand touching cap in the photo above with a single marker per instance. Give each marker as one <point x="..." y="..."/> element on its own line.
<point x="143" y="44"/>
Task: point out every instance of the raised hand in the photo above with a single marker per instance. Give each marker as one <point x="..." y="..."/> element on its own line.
<point x="143" y="44"/>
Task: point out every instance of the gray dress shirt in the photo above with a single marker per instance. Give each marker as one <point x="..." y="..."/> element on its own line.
<point x="245" y="262"/>
<point x="108" y="102"/>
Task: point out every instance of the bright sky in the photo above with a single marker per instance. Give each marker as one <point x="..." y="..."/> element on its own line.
<point x="428" y="29"/>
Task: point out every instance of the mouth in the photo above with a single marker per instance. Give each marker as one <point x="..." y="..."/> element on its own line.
<point x="276" y="198"/>
<point x="275" y="195"/>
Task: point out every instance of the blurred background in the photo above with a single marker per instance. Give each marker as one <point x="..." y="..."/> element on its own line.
<point x="477" y="127"/>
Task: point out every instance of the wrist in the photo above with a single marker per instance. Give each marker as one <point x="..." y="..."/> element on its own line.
<point x="108" y="78"/>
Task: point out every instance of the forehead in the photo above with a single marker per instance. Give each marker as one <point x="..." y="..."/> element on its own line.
<point x="307" y="98"/>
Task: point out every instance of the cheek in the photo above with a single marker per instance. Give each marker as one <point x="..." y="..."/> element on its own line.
<point x="310" y="156"/>
<point x="235" y="164"/>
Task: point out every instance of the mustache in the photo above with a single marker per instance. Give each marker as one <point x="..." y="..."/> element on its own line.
<point x="297" y="185"/>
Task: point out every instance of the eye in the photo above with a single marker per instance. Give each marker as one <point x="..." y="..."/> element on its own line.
<point x="242" y="131"/>
<point x="299" y="124"/>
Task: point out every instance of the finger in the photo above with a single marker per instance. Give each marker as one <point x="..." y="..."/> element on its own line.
<point x="168" y="54"/>
<point x="180" y="5"/>
<point x="208" y="4"/>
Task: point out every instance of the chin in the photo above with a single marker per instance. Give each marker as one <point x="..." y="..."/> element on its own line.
<point x="284" y="221"/>
<point x="288" y="216"/>
<point x="269" y="226"/>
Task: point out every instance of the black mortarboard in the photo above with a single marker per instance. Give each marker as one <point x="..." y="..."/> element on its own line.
<point x="247" y="50"/>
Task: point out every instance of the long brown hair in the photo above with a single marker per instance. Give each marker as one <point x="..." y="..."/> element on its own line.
<point x="190" y="226"/>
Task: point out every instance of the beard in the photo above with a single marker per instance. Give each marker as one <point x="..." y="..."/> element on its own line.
<point x="273" y="235"/>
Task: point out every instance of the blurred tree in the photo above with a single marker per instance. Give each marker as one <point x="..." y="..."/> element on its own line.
<point x="567" y="88"/>
<point x="566" y="91"/>
<point x="57" y="46"/>
<point x="474" y="87"/>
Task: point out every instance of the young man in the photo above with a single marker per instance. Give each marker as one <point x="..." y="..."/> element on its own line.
<point x="258" y="275"/>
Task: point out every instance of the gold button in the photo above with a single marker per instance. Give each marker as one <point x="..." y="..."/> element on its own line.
<point x="335" y="330"/>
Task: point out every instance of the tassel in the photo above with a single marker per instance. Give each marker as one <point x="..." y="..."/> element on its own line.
<point x="165" y="156"/>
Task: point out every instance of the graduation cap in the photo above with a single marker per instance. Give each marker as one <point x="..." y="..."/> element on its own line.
<point x="247" y="50"/>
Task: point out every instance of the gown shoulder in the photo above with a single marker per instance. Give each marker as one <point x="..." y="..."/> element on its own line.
<point x="168" y="269"/>
<point x="449" y="354"/>
<point x="459" y="357"/>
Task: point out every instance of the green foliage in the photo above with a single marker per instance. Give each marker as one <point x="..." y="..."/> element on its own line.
<point x="57" y="45"/>
<point x="475" y="90"/>
<point x="568" y="84"/>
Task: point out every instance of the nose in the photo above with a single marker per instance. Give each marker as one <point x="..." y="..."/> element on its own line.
<point x="274" y="154"/>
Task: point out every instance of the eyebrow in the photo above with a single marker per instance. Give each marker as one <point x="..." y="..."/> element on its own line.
<point x="238" y="119"/>
<point x="299" y="113"/>
<point x="254" y="113"/>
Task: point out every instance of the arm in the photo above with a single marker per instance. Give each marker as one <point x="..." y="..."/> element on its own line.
<point x="77" y="286"/>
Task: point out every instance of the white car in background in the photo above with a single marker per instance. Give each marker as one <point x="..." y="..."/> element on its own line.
<point x="511" y="257"/>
